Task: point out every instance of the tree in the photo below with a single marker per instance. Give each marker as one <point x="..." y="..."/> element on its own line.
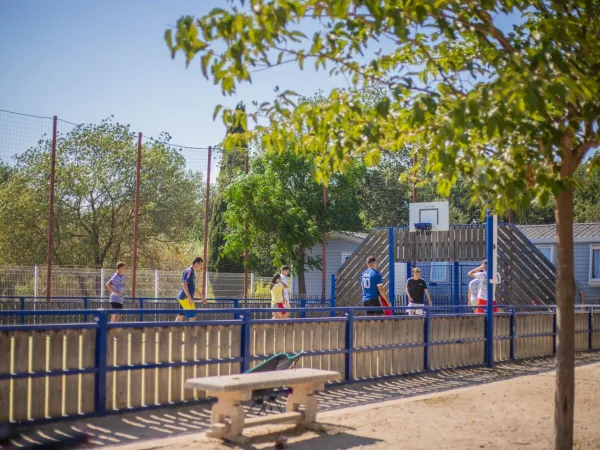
<point x="278" y="206"/>
<point x="95" y="183"/>
<point x="232" y="164"/>
<point x="513" y="111"/>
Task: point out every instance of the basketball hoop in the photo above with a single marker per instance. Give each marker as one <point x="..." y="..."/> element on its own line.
<point x="423" y="228"/>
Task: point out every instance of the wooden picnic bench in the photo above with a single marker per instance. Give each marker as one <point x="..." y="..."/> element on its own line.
<point x="232" y="390"/>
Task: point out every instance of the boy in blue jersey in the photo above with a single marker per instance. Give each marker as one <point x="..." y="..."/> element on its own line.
<point x="188" y="289"/>
<point x="372" y="285"/>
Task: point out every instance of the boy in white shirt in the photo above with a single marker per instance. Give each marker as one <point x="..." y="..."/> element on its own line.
<point x="285" y="273"/>
<point x="480" y="273"/>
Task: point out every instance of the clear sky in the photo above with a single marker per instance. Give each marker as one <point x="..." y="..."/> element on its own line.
<point x="85" y="60"/>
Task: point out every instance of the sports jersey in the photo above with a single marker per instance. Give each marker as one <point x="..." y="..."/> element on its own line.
<point x="369" y="280"/>
<point x="277" y="294"/>
<point x="482" y="277"/>
<point x="118" y="283"/>
<point x="286" y="292"/>
<point x="474" y="288"/>
<point x="188" y="277"/>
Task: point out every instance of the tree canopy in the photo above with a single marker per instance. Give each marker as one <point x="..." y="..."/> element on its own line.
<point x="95" y="184"/>
<point x="514" y="110"/>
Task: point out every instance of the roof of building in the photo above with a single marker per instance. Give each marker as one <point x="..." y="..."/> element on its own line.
<point x="354" y="236"/>
<point x="548" y="232"/>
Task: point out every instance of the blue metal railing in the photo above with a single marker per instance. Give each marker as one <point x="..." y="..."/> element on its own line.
<point x="244" y="319"/>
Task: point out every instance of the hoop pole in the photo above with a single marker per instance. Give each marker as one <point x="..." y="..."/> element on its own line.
<point x="489" y="242"/>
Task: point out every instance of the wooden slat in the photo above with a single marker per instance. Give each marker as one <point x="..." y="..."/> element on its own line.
<point x="72" y="381"/>
<point x="38" y="385"/>
<point x="21" y="386"/>
<point x="55" y="384"/>
<point x="162" y="376"/>
<point x="5" y="361"/>
<point x="177" y="372"/>
<point x="88" y="360"/>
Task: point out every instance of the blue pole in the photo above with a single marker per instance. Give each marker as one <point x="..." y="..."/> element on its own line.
<point x="101" y="354"/>
<point x="457" y="284"/>
<point x="246" y="342"/>
<point x="349" y="344"/>
<point x="427" y="340"/>
<point x="22" y="301"/>
<point x="332" y="299"/>
<point x="85" y="308"/>
<point x="303" y="306"/>
<point x="513" y="333"/>
<point x="141" y="307"/>
<point x="489" y="335"/>
<point x="392" y="266"/>
<point x="408" y="275"/>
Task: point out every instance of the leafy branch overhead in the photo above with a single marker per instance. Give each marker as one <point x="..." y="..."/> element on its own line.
<point x="495" y="103"/>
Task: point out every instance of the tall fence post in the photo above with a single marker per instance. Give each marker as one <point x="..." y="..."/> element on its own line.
<point x="349" y="344"/>
<point x="332" y="298"/>
<point x="102" y="284"/>
<point x="36" y="276"/>
<point x="85" y="308"/>
<point x="245" y="341"/>
<point x="303" y="306"/>
<point x="427" y="340"/>
<point x="206" y="206"/>
<point x="591" y="328"/>
<point x="101" y="354"/>
<point x="51" y="211"/>
<point x="489" y="335"/>
<point x="136" y="213"/>
<point x="392" y="267"/>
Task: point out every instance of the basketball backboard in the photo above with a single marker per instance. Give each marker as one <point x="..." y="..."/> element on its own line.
<point x="435" y="213"/>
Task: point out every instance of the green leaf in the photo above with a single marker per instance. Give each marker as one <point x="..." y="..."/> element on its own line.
<point x="218" y="109"/>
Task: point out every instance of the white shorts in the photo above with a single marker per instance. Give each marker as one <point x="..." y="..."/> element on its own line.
<point x="415" y="312"/>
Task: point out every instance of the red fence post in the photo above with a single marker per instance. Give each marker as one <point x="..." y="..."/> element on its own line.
<point x="136" y="211"/>
<point x="324" y="252"/>
<point x="51" y="210"/>
<point x="206" y="206"/>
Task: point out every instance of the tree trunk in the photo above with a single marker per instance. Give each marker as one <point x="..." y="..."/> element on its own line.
<point x="301" y="277"/>
<point x="564" y="398"/>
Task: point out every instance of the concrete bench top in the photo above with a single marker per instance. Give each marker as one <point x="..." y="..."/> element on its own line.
<point x="261" y="380"/>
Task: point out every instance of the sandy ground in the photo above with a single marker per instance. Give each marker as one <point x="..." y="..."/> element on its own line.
<point x="509" y="414"/>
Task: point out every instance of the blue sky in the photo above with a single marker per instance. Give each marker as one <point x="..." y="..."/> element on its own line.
<point x="85" y="60"/>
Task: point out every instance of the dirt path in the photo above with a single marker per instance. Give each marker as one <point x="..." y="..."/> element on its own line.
<point x="509" y="414"/>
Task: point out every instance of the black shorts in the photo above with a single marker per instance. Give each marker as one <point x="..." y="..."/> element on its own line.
<point x="371" y="303"/>
<point x="115" y="305"/>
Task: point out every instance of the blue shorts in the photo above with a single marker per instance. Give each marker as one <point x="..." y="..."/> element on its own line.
<point x="189" y="313"/>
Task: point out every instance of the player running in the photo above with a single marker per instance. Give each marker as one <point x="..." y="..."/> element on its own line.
<point x="188" y="289"/>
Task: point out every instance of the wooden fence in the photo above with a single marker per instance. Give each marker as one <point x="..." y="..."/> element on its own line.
<point x="526" y="275"/>
<point x="46" y="372"/>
